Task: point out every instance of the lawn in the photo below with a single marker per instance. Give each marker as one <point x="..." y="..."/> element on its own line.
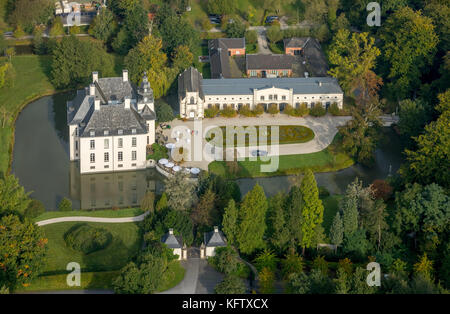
<point x="288" y="134"/>
<point x="110" y="213"/>
<point x="330" y="159"/>
<point x="173" y="276"/>
<point x="31" y="82"/>
<point x="125" y="244"/>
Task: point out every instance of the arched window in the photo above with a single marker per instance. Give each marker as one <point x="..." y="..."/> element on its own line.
<point x="192" y="102"/>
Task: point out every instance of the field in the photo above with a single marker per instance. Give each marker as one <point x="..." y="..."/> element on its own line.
<point x="331" y="158"/>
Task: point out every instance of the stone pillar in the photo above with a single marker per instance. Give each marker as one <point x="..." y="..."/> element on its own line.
<point x="202" y="251"/>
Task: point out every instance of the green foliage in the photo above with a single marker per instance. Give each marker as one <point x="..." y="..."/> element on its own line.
<point x="7" y="75"/>
<point x="277" y="222"/>
<point x="35" y="209"/>
<point x="74" y="60"/>
<point x="211" y="112"/>
<point x="320" y="264"/>
<point x="266" y="280"/>
<point x="273" y="109"/>
<point x="409" y="44"/>
<point x="182" y="58"/>
<point x="252" y="225"/>
<point x="22" y="247"/>
<point x="158" y="152"/>
<point x="231" y="284"/>
<point x="65" y="205"/>
<point x="164" y="112"/>
<point x="13" y="198"/>
<point x="414" y="115"/>
<point x="104" y="25"/>
<point x="205" y="211"/>
<point x="334" y="109"/>
<point x="180" y="191"/>
<point x="87" y="239"/>
<point x="291" y="264"/>
<point x="221" y="7"/>
<point x="274" y="34"/>
<point x="312" y="208"/>
<point x="30" y="13"/>
<point x="251" y="37"/>
<point x="162" y="203"/>
<point x="236" y="29"/>
<point x="225" y="260"/>
<point x="148" y="202"/>
<point x="318" y="110"/>
<point x="356" y="245"/>
<point x="57" y="28"/>
<point x="337" y="230"/>
<point x="230" y="222"/>
<point x="266" y="259"/>
<point x="294" y="216"/>
<point x="228" y="112"/>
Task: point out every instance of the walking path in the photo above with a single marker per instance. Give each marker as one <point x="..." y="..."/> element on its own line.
<point x="92" y="219"/>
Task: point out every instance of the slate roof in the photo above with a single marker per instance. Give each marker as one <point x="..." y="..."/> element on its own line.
<point x="269" y="62"/>
<point x="114" y="89"/>
<point x="218" y="55"/>
<point x="295" y="42"/>
<point x="113" y="118"/>
<point x="214" y="239"/>
<point x="245" y="86"/>
<point x="315" y="58"/>
<point x="147" y="113"/>
<point x="190" y="81"/>
<point x="172" y="241"/>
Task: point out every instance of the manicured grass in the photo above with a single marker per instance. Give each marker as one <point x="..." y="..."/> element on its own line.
<point x="173" y="276"/>
<point x="251" y="48"/>
<point x="330" y="159"/>
<point x="331" y="206"/>
<point x="125" y="244"/>
<point x="31" y="82"/>
<point x="288" y="134"/>
<point x="89" y="280"/>
<point x="110" y="213"/>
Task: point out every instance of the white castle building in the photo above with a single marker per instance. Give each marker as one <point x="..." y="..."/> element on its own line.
<point x="195" y="94"/>
<point x="111" y="123"/>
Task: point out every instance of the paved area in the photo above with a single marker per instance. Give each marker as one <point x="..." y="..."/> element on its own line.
<point x="324" y="128"/>
<point x="92" y="219"/>
<point x="200" y="278"/>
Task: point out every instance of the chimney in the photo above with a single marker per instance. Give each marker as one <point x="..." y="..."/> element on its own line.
<point x="92" y="90"/>
<point x="94" y="77"/>
<point x="125" y="75"/>
<point x="127" y="102"/>
<point x="97" y="104"/>
<point x="170" y="231"/>
<point x="216" y="229"/>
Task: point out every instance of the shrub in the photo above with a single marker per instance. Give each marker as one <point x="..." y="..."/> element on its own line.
<point x="65" y="205"/>
<point x="381" y="189"/>
<point x="35" y="209"/>
<point x="87" y="239"/>
<point x="228" y="112"/>
<point x="211" y="112"/>
<point x="289" y="110"/>
<point x="318" y="110"/>
<point x="245" y="111"/>
<point x="164" y="112"/>
<point x="259" y="110"/>
<point x="18" y="32"/>
<point x="273" y="109"/>
<point x="230" y="285"/>
<point x="323" y="192"/>
<point x="302" y="111"/>
<point x="158" y="152"/>
<point x="334" y="109"/>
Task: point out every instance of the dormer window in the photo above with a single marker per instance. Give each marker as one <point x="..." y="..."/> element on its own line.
<point x="133" y="131"/>
<point x="120" y="132"/>
<point x="106" y="132"/>
<point x="92" y="133"/>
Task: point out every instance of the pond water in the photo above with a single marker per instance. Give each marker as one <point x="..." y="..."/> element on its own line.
<point x="41" y="163"/>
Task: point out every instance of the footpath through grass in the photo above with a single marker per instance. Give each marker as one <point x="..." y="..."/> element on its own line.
<point x="330" y="159"/>
<point x="110" y="213"/>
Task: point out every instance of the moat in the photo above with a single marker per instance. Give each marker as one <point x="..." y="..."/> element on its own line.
<point x="41" y="163"/>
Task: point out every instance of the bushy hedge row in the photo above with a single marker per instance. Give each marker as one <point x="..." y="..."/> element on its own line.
<point x="87" y="239"/>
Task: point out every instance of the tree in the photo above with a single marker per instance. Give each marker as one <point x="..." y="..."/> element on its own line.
<point x="274" y="34"/>
<point x="164" y="112"/>
<point x="35" y="209"/>
<point x="439" y="13"/>
<point x="424" y="267"/>
<point x="315" y="10"/>
<point x="294" y="216"/>
<point x="414" y="115"/>
<point x="204" y="213"/>
<point x="252" y="224"/>
<point x="361" y="134"/>
<point x="251" y="37"/>
<point x="349" y="207"/>
<point x="22" y="247"/>
<point x="375" y="221"/>
<point x="291" y="264"/>
<point x="353" y="57"/>
<point x="266" y="279"/>
<point x="162" y="203"/>
<point x="104" y="25"/>
<point x="356" y="244"/>
<point x="340" y="23"/>
<point x="277" y="222"/>
<point x="74" y="60"/>
<point x="409" y="44"/>
<point x="430" y="161"/>
<point x="7" y="77"/>
<point x="381" y="189"/>
<point x="230" y="222"/>
<point x="337" y="230"/>
<point x="235" y="29"/>
<point x="182" y="58"/>
<point x="226" y="260"/>
<point x="266" y="259"/>
<point x="221" y="7"/>
<point x="231" y="284"/>
<point x="180" y="191"/>
<point x="13" y="198"/>
<point x="30" y="13"/>
<point x="57" y="28"/>
<point x="148" y="57"/>
<point x="65" y="205"/>
<point x="148" y="202"/>
<point x="176" y="31"/>
<point x="312" y="209"/>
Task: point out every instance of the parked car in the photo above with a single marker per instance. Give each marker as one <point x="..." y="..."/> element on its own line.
<point x="271" y="18"/>
<point x="259" y="152"/>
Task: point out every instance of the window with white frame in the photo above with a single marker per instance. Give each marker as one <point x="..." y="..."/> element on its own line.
<point x="133" y="155"/>
<point x="120" y="156"/>
<point x="106" y="157"/>
<point x="133" y="142"/>
<point x="120" y="142"/>
<point x="106" y="143"/>
<point x="92" y="144"/>
<point x="92" y="158"/>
